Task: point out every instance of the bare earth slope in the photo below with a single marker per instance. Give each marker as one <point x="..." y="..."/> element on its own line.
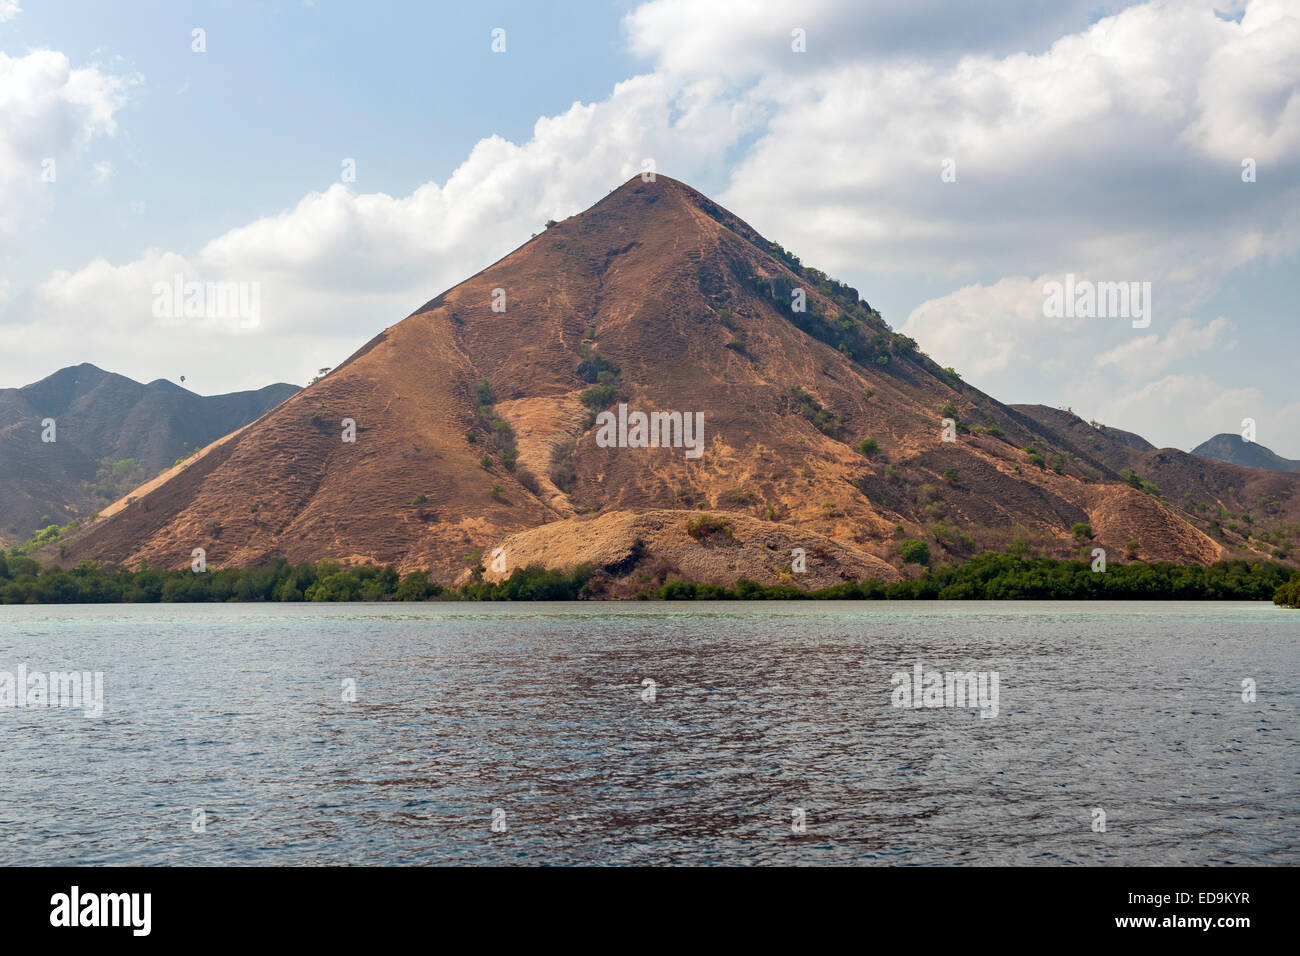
<point x="669" y="303"/>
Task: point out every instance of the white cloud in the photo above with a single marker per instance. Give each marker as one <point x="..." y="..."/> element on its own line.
<point x="340" y="266"/>
<point x="1112" y="152"/>
<point x="745" y="38"/>
<point x="9" y="9"/>
<point x="1182" y="411"/>
<point x="1178" y="411"/>
<point x="999" y="339"/>
<point x="988" y="329"/>
<point x="984" y="330"/>
<point x="1082" y="158"/>
<point x="48" y="112"/>
<point x="1248" y="94"/>
<point x="1152" y="354"/>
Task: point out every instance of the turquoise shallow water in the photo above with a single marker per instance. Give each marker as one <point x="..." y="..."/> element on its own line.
<point x="760" y="710"/>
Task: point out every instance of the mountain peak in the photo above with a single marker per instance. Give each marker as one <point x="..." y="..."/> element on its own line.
<point x="665" y="198"/>
<point x="638" y="189"/>
<point x="486" y="415"/>
<point x="166" y="385"/>
<point x="1236" y="450"/>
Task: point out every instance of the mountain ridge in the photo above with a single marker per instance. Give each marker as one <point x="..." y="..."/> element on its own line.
<point x="474" y="424"/>
<point x="102" y="420"/>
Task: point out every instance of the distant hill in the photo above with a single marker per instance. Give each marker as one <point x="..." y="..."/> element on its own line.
<point x="111" y="434"/>
<point x="1235" y="449"/>
<point x="1127" y="439"/>
<point x="1249" y="512"/>
<point x="479" y="424"/>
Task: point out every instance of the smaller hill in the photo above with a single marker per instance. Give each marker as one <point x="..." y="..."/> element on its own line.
<point x="111" y="434"/>
<point x="1237" y="451"/>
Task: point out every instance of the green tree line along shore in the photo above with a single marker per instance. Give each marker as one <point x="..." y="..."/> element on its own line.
<point x="988" y="577"/>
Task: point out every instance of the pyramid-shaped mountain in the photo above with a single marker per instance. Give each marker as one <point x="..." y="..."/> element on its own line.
<point x="631" y="369"/>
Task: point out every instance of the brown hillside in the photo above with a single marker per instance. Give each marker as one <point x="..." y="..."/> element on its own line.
<point x="1248" y="512"/>
<point x="668" y="303"/>
<point x="759" y="550"/>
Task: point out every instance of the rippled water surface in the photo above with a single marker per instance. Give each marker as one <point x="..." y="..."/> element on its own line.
<point x="759" y="709"/>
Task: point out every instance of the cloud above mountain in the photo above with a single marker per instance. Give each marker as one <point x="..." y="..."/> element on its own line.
<point x="49" y="112"/>
<point x="936" y="160"/>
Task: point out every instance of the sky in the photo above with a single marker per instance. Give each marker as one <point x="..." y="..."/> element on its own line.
<point x="343" y="163"/>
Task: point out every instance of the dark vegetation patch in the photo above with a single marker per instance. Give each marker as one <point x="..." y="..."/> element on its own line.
<point x="990" y="576"/>
<point x="500" y="436"/>
<point x="706" y="527"/>
<point x="825" y="421"/>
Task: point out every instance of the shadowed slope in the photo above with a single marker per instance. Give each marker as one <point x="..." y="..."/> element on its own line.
<point x="109" y="432"/>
